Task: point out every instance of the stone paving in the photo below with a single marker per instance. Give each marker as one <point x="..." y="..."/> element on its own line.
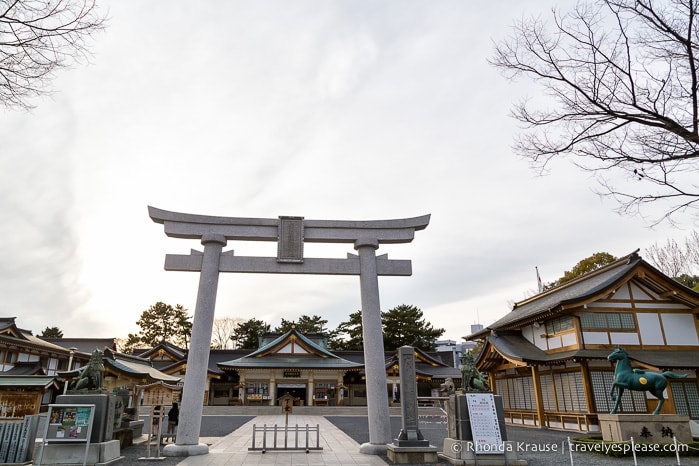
<point x="340" y="437"/>
<point x="338" y="448"/>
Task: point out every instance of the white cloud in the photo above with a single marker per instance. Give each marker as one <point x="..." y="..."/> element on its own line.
<point x="335" y="110"/>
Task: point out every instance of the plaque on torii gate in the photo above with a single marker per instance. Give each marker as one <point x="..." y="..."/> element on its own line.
<point x="290" y="233"/>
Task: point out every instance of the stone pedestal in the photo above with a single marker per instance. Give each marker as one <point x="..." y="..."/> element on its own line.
<point x="460" y="426"/>
<point x="135" y="426"/>
<point x="646" y="428"/>
<point x="412" y="455"/>
<point x="459" y="448"/>
<point x="101" y="453"/>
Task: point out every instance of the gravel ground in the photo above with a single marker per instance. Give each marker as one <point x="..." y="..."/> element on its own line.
<point x="434" y="429"/>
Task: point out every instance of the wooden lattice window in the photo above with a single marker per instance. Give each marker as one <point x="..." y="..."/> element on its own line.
<point x="570" y="393"/>
<point x="520" y="393"/>
<point x="559" y="324"/>
<point x="547" y="392"/>
<point x="501" y="388"/>
<point x="686" y="398"/>
<point x="631" y="402"/>
<point x="607" y="321"/>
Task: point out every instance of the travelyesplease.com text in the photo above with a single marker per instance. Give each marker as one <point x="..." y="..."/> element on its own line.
<point x="581" y="447"/>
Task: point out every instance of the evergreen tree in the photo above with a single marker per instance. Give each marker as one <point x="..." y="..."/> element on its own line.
<point x="130" y="343"/>
<point x="305" y="324"/>
<point x="348" y="335"/>
<point x="247" y="334"/>
<point x="589" y="264"/>
<point x="51" y="332"/>
<point x="163" y="322"/>
<point x="405" y="325"/>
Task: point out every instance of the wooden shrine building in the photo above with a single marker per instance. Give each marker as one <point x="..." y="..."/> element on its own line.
<point x="548" y="356"/>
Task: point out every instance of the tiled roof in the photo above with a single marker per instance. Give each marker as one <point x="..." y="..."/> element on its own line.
<point x="83" y="345"/>
<point x="135" y="366"/>
<point x="25" y="368"/>
<point x="29" y="340"/>
<point x="518" y="348"/>
<point x="41" y="381"/>
<point x="140" y="370"/>
<point x="575" y="290"/>
<point x="268" y="356"/>
<point x="169" y="348"/>
<point x="587" y="287"/>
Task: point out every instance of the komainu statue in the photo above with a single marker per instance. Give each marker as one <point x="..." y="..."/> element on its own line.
<point x="89" y="377"/>
<point x="448" y="386"/>
<point x="471" y="379"/>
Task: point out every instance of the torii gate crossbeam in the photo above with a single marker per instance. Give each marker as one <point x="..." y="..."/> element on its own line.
<point x="290" y="233"/>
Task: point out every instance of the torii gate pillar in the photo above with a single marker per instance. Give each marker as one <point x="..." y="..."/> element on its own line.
<point x="374" y="362"/>
<point x="290" y="233"/>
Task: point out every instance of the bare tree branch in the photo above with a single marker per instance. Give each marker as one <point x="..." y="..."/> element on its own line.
<point x="670" y="259"/>
<point x="620" y="94"/>
<point x="37" y="37"/>
<point x="223" y="332"/>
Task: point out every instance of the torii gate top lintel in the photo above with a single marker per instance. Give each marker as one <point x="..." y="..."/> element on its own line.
<point x="193" y="226"/>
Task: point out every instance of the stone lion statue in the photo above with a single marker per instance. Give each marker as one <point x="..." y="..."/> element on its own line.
<point x="90" y="377"/>
<point x="448" y="386"/>
<point x="471" y="379"/>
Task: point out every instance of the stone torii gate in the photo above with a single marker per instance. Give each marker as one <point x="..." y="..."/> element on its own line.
<point x="290" y="233"/>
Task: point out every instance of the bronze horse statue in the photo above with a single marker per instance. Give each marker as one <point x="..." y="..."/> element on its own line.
<point x="636" y="379"/>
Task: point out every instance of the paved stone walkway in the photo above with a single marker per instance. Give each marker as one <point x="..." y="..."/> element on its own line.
<point x="338" y="448"/>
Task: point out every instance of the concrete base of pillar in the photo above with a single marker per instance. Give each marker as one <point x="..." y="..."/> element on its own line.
<point x="186" y="450"/>
<point x="373" y="449"/>
<point x="412" y="455"/>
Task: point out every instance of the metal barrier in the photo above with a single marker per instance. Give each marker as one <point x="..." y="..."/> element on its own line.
<point x="285" y="430"/>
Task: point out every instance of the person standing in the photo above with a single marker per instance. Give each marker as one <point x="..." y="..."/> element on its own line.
<point x="173" y="417"/>
<point x="156" y="422"/>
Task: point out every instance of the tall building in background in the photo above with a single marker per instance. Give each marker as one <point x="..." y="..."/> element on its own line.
<point x="450" y="351"/>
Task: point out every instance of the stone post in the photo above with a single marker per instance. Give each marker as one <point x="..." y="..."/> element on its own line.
<point x="375" y="364"/>
<point x="191" y="408"/>
<point x="410" y="435"/>
<point x="410" y="447"/>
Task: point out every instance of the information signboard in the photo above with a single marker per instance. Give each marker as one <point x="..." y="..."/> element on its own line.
<point x="487" y="438"/>
<point x="158" y="396"/>
<point x="69" y="423"/>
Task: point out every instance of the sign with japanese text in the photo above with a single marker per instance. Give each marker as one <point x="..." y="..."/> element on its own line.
<point x="487" y="438"/>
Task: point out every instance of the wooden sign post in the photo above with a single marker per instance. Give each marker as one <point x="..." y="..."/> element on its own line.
<point x="287" y="404"/>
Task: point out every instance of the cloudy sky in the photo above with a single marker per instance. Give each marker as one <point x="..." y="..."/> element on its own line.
<point x="352" y="110"/>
